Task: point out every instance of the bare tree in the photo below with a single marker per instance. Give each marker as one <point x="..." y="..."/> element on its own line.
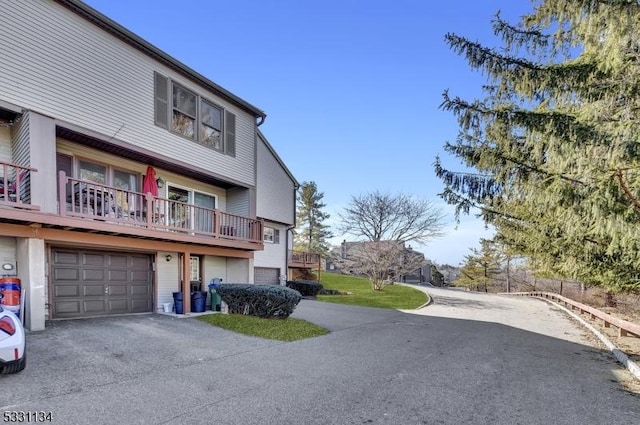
<point x="387" y="222"/>
<point x="383" y="217"/>
<point x="381" y="261"/>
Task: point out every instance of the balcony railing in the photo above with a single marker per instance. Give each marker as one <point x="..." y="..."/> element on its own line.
<point x="15" y="185"/>
<point x="89" y="200"/>
<point x="303" y="259"/>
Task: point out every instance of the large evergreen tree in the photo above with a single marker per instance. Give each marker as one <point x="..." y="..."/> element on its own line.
<point x="555" y="140"/>
<point x="482" y="267"/>
<point x="312" y="233"/>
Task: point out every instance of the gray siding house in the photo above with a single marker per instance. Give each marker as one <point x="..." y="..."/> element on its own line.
<point x="274" y="182"/>
<point x="125" y="176"/>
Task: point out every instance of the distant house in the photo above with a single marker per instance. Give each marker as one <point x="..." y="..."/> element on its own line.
<point x="420" y="275"/>
<point x="449" y="273"/>
<point x="125" y="175"/>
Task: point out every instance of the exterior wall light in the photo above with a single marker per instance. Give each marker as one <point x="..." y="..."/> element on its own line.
<point x="168" y="257"/>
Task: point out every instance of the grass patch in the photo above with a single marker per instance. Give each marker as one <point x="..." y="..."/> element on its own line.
<point x="289" y="329"/>
<point x="392" y="296"/>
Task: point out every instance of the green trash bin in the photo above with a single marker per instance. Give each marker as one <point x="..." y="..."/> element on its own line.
<point x="215" y="298"/>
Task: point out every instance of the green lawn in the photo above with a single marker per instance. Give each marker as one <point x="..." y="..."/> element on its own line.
<point x="289" y="329"/>
<point x="292" y="329"/>
<point x="392" y="296"/>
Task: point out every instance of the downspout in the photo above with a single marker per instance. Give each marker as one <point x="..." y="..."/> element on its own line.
<point x="290" y="228"/>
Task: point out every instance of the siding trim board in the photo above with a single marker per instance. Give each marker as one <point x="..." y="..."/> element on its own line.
<point x="148" y="49"/>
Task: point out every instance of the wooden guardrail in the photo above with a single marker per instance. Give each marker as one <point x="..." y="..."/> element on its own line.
<point x="624" y="327"/>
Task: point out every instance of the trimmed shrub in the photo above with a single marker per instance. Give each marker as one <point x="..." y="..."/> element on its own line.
<point x="307" y="288"/>
<point x="259" y="300"/>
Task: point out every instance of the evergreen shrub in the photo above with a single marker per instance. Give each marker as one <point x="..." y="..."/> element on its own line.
<point x="259" y="300"/>
<point x="307" y="288"/>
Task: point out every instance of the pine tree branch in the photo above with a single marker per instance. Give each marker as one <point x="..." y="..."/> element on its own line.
<point x="635" y="202"/>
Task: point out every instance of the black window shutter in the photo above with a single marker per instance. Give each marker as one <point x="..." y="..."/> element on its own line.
<point x="162" y="100"/>
<point x="229" y="133"/>
<point x="276" y="235"/>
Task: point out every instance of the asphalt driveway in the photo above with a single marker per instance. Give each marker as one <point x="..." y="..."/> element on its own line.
<point x="376" y="366"/>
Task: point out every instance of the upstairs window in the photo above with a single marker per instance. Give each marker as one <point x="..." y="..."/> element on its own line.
<point x="211" y="128"/>
<point x="188" y="114"/>
<point x="271" y="235"/>
<point x="183" y="120"/>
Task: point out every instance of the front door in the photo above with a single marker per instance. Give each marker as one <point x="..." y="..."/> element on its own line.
<point x="196" y="275"/>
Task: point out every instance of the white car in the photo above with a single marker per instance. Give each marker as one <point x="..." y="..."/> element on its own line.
<point x="13" y="357"/>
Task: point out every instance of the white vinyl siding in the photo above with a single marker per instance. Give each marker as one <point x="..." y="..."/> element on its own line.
<point x="214" y="268"/>
<point x="7" y="254"/>
<point x="238" y="202"/>
<point x="275" y="190"/>
<point x="168" y="276"/>
<point x="274" y="254"/>
<point x="62" y="66"/>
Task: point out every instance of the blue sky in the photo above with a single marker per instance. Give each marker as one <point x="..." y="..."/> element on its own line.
<point x="351" y="88"/>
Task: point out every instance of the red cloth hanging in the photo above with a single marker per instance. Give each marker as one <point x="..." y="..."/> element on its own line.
<point x="149" y="183"/>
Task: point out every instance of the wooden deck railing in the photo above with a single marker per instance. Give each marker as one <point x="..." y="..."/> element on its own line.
<point x="303" y="259"/>
<point x="15" y="185"/>
<point x="86" y="199"/>
<point x="624" y="327"/>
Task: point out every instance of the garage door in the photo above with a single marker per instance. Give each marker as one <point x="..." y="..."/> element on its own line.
<point x="266" y="276"/>
<point x="97" y="283"/>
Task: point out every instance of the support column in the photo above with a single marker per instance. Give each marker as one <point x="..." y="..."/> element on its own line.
<point x="186" y="282"/>
<point x="42" y="154"/>
<point x="31" y="260"/>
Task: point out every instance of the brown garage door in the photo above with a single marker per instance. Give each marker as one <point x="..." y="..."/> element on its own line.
<point x="97" y="283"/>
<point x="266" y="275"/>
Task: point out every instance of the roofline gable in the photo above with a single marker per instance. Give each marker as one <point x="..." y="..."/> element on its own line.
<point x="264" y="140"/>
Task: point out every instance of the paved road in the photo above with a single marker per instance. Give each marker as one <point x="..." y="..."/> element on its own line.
<point x="466" y="359"/>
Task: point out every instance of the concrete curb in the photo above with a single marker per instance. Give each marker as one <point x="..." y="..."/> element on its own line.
<point x="619" y="354"/>
<point x="421" y="289"/>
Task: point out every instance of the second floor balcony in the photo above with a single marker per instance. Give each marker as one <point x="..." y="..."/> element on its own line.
<point x="88" y="206"/>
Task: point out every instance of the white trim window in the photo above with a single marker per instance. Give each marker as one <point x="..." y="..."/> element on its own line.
<point x="271" y="235"/>
<point x="188" y="114"/>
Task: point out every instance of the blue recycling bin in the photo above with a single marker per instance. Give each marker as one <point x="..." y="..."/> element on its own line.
<point x="177" y="302"/>
<point x="198" y="301"/>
